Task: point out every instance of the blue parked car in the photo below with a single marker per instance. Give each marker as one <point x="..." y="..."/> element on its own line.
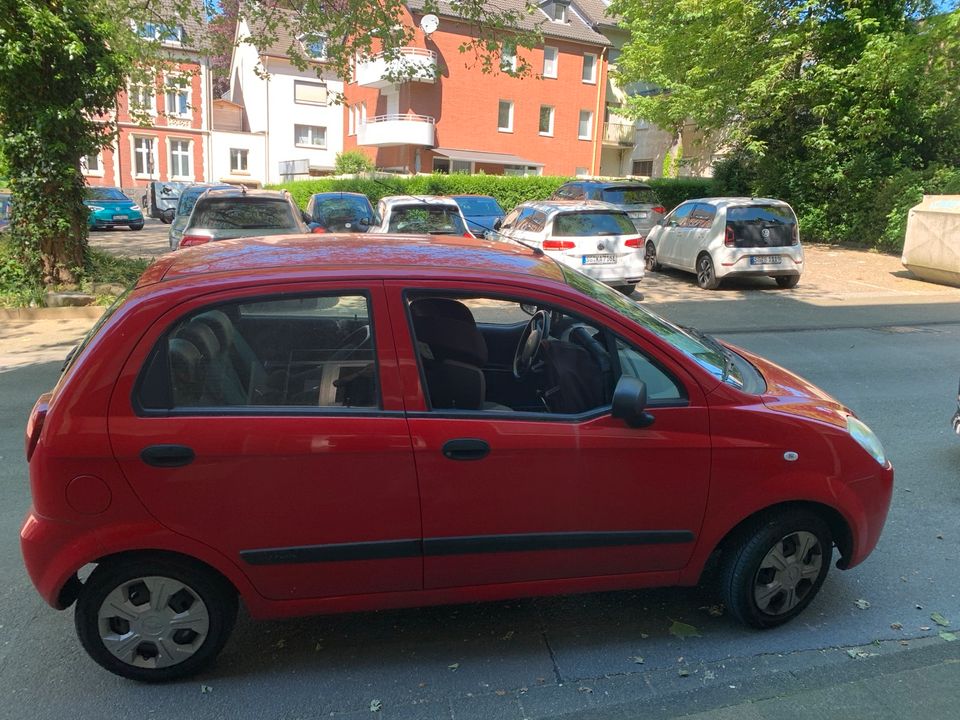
<point x="110" y="208"/>
<point x="340" y="212"/>
<point x="481" y="212"/>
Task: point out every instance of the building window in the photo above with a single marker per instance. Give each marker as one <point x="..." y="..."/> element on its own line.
<point x="310" y="136"/>
<point x="556" y="11"/>
<point x="238" y="160"/>
<point x="162" y="32"/>
<point x="522" y="170"/>
<point x="505" y="116"/>
<point x="178" y="96"/>
<point x="549" y="62"/>
<point x="179" y="158"/>
<point x="307" y="93"/>
<point x="351" y="120"/>
<point x="90" y="165"/>
<point x="589" y="68"/>
<point x="546" y="120"/>
<point x="143" y="156"/>
<point x="585" y="126"/>
<point x="508" y="57"/>
<point x="444" y="166"/>
<point x="315" y="45"/>
<point x="581" y="172"/>
<point x="142" y="99"/>
<point x="643" y="167"/>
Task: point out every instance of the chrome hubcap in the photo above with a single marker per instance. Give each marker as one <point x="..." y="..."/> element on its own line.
<point x="153" y="622"/>
<point x="788" y="573"/>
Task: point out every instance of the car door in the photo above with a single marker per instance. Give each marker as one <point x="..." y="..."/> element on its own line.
<point x="513" y="496"/>
<point x="283" y="446"/>
<point x="701" y="221"/>
<point x="670" y="242"/>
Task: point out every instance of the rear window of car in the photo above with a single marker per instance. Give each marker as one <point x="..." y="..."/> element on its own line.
<point x="770" y="214"/>
<point x="479" y="206"/>
<point x="111" y="194"/>
<point x="345" y="208"/>
<point x="601" y="222"/>
<point x="424" y="219"/>
<point x="629" y="195"/>
<point x="243" y="213"/>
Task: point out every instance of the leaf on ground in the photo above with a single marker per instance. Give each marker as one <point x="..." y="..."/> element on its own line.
<point x="713" y="610"/>
<point x="858" y="654"/>
<point x="925" y="627"/>
<point x="683" y="672"/>
<point x="643" y="636"/>
<point x="318" y="647"/>
<point x="682" y="630"/>
<point x="862" y="604"/>
<point x="375" y="705"/>
<point x="453" y="666"/>
<point x="507" y="635"/>
<point x="584" y="689"/>
<point x="500" y="693"/>
<point x="948" y="636"/>
<point x="637" y="659"/>
<point x="708" y="675"/>
<point x="939" y="536"/>
<point x="896" y="626"/>
<point x="939" y="619"/>
<point x="280" y="644"/>
<point x="204" y="689"/>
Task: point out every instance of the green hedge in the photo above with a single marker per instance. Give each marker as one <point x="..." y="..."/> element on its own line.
<point x="508" y="190"/>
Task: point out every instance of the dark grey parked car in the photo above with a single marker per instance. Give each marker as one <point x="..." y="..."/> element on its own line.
<point x="188" y="198"/>
<point x="237" y="212"/>
<point x="638" y="200"/>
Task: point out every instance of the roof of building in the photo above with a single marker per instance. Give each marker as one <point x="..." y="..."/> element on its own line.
<point x="597" y="12"/>
<point x="575" y="29"/>
<point x="381" y="256"/>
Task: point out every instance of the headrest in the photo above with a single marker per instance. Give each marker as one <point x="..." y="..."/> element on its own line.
<point x="220" y="324"/>
<point x="186" y="367"/>
<point x="449" y="330"/>
<point x="202" y="337"/>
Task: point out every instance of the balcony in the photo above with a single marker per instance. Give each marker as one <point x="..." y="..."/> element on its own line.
<point x="387" y="130"/>
<point x="619" y="134"/>
<point x="413" y="64"/>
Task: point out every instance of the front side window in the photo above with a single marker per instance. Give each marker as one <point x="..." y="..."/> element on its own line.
<point x="310" y="136"/>
<point x="505" y="116"/>
<point x="180" y="158"/>
<point x="307" y="352"/>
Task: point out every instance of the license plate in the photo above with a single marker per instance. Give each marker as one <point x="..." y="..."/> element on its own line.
<point x="598" y="259"/>
<point x="119" y="217"/>
<point x="765" y="259"/>
<point x="638" y="215"/>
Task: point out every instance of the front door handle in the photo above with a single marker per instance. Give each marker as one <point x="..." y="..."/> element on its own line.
<point x="167" y="456"/>
<point x="465" y="449"/>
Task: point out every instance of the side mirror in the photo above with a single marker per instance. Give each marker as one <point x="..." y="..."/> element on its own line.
<point x="497" y="223"/>
<point x="630" y="402"/>
<point x="306" y="217"/>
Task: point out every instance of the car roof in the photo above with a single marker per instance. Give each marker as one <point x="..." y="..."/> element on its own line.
<point x="240" y="192"/>
<point x="612" y="183"/>
<point x="391" y="200"/>
<point x="351" y="255"/>
<point x="338" y="194"/>
<point x="555" y="206"/>
<point x="724" y="202"/>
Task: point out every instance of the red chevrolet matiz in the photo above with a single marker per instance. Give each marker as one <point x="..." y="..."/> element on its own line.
<point x="324" y="427"/>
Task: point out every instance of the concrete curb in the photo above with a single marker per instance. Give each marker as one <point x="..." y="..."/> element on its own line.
<point x="62" y="313"/>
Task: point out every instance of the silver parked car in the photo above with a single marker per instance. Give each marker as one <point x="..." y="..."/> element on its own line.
<point x="717" y="238"/>
<point x="225" y="214"/>
<point x="593" y="237"/>
<point x="636" y="199"/>
<point x="181" y="214"/>
<point x="420" y="215"/>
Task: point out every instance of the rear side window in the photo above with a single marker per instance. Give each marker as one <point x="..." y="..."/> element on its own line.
<point x="628" y="195"/>
<point x="423" y="219"/>
<point x="305" y="352"/>
<point x="700" y="217"/>
<point x="243" y="213"/>
<point x="592" y="223"/>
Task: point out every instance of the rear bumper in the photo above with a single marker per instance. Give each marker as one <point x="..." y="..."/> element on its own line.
<point x="736" y="262"/>
<point x="628" y="270"/>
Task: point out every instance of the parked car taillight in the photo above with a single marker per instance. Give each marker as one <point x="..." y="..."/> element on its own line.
<point x="636" y="242"/>
<point x="190" y="240"/>
<point x="728" y="238"/>
<point x="558" y="245"/>
<point x="660" y="209"/>
<point x="795" y="236"/>
<point x="469" y="234"/>
<point x="35" y="424"/>
<point x="318" y="230"/>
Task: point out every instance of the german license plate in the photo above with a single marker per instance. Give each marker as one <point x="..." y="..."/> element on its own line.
<point x="765" y="259"/>
<point x="639" y="215"/>
<point x="598" y="260"/>
<point x="119" y="217"/>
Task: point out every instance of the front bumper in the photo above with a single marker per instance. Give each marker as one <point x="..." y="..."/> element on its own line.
<point x="107" y="220"/>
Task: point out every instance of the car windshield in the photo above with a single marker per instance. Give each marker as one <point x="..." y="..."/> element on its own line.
<point x="601" y="222"/>
<point x="627" y="195"/>
<point x="700" y="348"/>
<point x="767" y="214"/>
<point x="111" y="194"/>
<point x="244" y="213"/>
<point x="438" y="220"/>
<point x="479" y="206"/>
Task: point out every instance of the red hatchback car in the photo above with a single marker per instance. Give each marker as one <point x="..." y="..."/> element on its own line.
<point x="339" y="426"/>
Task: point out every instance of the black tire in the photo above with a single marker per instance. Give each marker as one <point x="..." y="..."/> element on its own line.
<point x="137" y="226"/>
<point x="194" y="583"/>
<point x="627" y="289"/>
<point x="706" y="273"/>
<point x="650" y="258"/>
<point x="787" y="281"/>
<point x="745" y="576"/>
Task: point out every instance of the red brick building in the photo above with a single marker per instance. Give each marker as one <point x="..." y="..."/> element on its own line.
<point x="464" y="120"/>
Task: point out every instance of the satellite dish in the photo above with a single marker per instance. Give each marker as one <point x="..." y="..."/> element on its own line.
<point x="429" y="23"/>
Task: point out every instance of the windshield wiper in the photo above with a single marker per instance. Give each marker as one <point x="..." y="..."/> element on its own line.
<point x="712" y="342"/>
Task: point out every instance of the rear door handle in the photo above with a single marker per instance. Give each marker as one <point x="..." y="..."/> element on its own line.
<point x="167" y="456"/>
<point x="465" y="449"/>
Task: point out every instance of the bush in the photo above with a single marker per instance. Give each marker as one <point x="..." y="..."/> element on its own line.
<point x="351" y="162"/>
<point x="18" y="286"/>
<point x="509" y="190"/>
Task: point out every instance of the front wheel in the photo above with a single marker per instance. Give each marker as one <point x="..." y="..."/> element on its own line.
<point x="650" y="258"/>
<point x="775" y="567"/>
<point x="154" y="619"/>
<point x="787" y="281"/>
<point x="136" y="226"/>
<point x="706" y="273"/>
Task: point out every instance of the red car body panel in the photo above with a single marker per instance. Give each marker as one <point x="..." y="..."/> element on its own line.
<point x="290" y="483"/>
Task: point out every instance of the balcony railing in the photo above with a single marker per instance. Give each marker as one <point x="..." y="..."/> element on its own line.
<point x="398" y="129"/>
<point x="621" y="134"/>
<point x="413" y="64"/>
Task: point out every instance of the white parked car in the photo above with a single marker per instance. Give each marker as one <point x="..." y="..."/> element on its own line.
<point x="420" y="215"/>
<point x="717" y="238"/>
<point x="591" y="236"/>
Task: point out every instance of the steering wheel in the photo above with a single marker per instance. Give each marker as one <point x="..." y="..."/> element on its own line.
<point x="536" y="331"/>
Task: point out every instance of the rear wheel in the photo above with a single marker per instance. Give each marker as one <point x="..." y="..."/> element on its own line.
<point x="154" y="619"/>
<point x="787" y="281"/>
<point x="706" y="274"/>
<point x="775" y="567"/>
<point x="650" y="258"/>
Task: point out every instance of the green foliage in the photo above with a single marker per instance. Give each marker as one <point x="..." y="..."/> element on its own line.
<point x="508" y="190"/>
<point x="18" y="287"/>
<point x="104" y="267"/>
<point x="352" y="162"/>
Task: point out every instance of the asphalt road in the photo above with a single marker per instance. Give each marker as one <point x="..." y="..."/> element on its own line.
<point x="599" y="655"/>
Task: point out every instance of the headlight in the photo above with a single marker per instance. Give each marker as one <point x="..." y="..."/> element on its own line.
<point x="135" y="207"/>
<point x="866" y="438"/>
<point x="95" y="208"/>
